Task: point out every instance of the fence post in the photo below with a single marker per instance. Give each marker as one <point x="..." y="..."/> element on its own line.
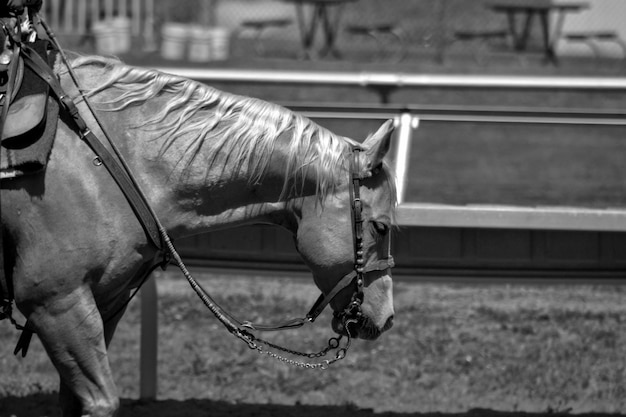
<point x="149" y="339"/>
<point x="405" y="123"/>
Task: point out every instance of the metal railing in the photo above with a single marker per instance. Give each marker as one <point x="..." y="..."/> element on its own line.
<point x="407" y="119"/>
<point x="398" y="80"/>
<point x="483" y="216"/>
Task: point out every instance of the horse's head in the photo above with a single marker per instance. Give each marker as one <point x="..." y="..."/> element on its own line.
<point x="335" y="246"/>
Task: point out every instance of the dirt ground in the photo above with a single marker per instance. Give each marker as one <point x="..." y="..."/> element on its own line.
<point x="41" y="405"/>
<point x="456" y="351"/>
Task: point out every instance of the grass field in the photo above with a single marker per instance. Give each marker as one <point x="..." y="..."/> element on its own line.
<point x="454" y="348"/>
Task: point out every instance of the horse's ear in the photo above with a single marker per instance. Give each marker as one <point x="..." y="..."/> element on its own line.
<point x="377" y="145"/>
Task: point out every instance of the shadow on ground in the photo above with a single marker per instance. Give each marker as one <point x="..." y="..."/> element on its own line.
<point x="40" y="405"/>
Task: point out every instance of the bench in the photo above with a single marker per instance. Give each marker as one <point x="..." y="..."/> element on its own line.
<point x="594" y="38"/>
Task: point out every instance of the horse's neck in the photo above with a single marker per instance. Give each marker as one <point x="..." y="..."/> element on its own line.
<point x="214" y="190"/>
<point x="223" y="193"/>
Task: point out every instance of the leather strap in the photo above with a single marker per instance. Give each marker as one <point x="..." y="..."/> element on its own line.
<point x="6" y="287"/>
<point x="121" y="177"/>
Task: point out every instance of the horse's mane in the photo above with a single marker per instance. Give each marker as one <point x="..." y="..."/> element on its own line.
<point x="245" y="128"/>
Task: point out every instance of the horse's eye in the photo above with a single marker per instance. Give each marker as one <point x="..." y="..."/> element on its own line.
<point x="381" y="228"/>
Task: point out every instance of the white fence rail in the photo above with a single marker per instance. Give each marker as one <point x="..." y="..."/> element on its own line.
<point x="399" y="80"/>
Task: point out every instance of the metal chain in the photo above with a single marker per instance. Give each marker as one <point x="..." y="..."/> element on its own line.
<point x="333" y="344"/>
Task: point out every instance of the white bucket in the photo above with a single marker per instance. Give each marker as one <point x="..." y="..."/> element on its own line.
<point x="201" y="45"/>
<point x="209" y="44"/>
<point x="112" y="36"/>
<point x="220" y="43"/>
<point x="175" y="37"/>
<point x="121" y="27"/>
<point x="106" y="39"/>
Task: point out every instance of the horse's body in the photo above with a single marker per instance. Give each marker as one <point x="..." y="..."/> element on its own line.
<point x="205" y="160"/>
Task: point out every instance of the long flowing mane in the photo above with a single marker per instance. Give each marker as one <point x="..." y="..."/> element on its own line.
<point x="244" y="128"/>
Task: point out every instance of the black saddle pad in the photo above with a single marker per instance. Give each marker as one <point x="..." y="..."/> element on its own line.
<point x="32" y="158"/>
<point x="29" y="153"/>
<point x="32" y="83"/>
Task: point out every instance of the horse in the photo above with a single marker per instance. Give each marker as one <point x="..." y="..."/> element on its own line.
<point x="205" y="160"/>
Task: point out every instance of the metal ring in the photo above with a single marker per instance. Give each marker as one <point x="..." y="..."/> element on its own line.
<point x="84" y="133"/>
<point x="333" y="342"/>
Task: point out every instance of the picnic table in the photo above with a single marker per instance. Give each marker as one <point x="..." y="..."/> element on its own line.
<point x="323" y="15"/>
<point x="525" y="11"/>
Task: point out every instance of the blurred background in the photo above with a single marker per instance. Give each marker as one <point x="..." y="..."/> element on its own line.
<point x="447" y="35"/>
<point x="549" y="134"/>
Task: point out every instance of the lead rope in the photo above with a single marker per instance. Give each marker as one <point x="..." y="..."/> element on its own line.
<point x="251" y="340"/>
<point x="218" y="312"/>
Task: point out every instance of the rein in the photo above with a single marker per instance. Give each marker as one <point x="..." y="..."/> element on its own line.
<point x="120" y="171"/>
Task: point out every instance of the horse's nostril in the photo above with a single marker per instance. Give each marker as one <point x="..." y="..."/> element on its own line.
<point x="389" y="323"/>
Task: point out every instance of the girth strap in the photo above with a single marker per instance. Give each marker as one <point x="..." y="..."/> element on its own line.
<point x="121" y="177"/>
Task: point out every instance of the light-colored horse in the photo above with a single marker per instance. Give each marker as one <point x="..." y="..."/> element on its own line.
<point x="206" y="160"/>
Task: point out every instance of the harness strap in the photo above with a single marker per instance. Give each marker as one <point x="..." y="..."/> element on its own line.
<point x="6" y="287"/>
<point x="121" y="177"/>
<point x="354" y="308"/>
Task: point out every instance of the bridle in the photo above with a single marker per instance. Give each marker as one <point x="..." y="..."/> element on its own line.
<point x="160" y="239"/>
<point x="353" y="312"/>
<point x="356" y="276"/>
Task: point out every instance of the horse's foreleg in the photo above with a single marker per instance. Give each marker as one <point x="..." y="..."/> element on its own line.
<point x="71" y="404"/>
<point x="72" y="332"/>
